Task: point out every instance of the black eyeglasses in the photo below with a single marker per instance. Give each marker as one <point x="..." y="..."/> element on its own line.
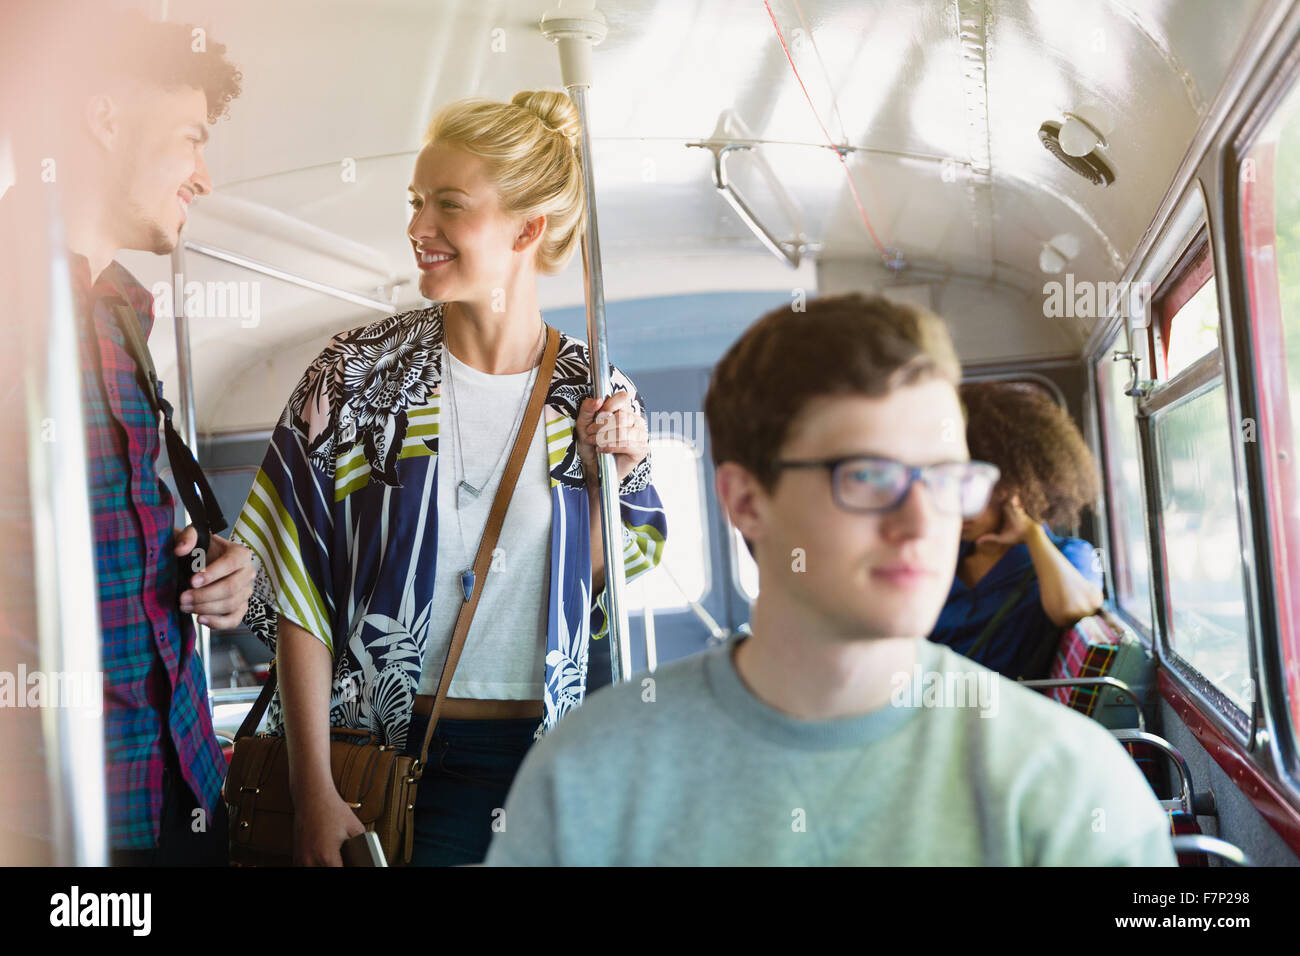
<point x="864" y="483"/>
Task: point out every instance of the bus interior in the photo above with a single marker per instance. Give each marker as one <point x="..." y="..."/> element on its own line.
<point x="1101" y="198"/>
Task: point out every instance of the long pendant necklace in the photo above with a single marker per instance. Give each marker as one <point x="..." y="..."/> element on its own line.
<point x="463" y="484"/>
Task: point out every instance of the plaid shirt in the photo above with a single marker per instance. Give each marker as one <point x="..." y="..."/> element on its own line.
<point x="153" y="678"/>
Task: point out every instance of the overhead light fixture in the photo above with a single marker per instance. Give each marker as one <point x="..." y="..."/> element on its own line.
<point x="1089" y="165"/>
<point x="1079" y="137"/>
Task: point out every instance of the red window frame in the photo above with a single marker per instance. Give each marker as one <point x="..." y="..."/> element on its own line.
<point x="1275" y="428"/>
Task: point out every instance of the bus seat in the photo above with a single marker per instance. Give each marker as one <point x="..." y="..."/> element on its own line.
<point x="1188" y="804"/>
<point x="1102" y="670"/>
<point x="1103" y="646"/>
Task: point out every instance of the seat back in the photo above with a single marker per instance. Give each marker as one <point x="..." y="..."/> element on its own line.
<point x="1103" y="646"/>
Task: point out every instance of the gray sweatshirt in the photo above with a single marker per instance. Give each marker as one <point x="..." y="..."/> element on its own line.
<point x="962" y="767"/>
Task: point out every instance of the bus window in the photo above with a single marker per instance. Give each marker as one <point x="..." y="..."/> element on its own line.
<point x="746" y="567"/>
<point x="1200" y="542"/>
<point x="1194" y="329"/>
<point x="1186" y="308"/>
<point x="1130" y="572"/>
<point x="1269" y="181"/>
<point x="682" y="576"/>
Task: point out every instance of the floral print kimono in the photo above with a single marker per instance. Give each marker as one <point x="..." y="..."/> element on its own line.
<point x="342" y="521"/>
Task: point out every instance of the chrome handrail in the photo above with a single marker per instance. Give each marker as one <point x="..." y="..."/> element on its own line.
<point x="1213" y="846"/>
<point x="266" y="269"/>
<point x="1092" y="682"/>
<point x="234" y="695"/>
<point x="790" y="252"/>
<point x="575" y="36"/>
<point x="1169" y="750"/>
<point x="716" y="630"/>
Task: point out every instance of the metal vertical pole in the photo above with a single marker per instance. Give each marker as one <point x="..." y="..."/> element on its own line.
<point x="64" y="574"/>
<point x="575" y="29"/>
<point x="189" y="431"/>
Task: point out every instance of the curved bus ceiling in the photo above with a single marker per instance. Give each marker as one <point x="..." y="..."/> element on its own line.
<point x="941" y="100"/>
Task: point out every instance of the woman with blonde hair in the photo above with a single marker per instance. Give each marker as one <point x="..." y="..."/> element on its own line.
<point x="366" y="516"/>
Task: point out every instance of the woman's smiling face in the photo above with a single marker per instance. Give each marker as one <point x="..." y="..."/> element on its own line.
<point x="466" y="244"/>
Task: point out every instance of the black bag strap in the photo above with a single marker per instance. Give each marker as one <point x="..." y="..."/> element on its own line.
<point x="991" y="628"/>
<point x="1038" y="663"/>
<point x="196" y="494"/>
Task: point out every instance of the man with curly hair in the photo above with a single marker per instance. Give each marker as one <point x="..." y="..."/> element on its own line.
<point x="113" y="146"/>
<point x="1018" y="584"/>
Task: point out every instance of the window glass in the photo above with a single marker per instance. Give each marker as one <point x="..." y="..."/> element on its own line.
<point x="1202" y="542"/>
<point x="683" y="572"/>
<point x="1194" y="330"/>
<point x="1130" y="569"/>
<point x="743" y="562"/>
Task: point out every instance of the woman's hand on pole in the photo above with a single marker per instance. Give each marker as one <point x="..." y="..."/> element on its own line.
<point x="610" y="426"/>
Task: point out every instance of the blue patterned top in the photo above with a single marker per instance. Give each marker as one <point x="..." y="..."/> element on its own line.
<point x="342" y="521"/>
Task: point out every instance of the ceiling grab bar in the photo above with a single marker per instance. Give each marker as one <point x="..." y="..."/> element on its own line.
<point x="790" y="252"/>
<point x="731" y="134"/>
<point x="575" y="29"/>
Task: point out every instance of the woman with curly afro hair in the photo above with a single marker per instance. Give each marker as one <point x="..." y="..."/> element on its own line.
<point x="1018" y="584"/>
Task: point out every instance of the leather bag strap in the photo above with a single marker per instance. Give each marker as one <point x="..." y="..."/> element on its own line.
<point x="483" y="558"/>
<point x="496" y="518"/>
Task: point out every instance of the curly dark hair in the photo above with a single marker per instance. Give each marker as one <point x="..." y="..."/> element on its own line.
<point x="72" y="48"/>
<point x="1043" y="457"/>
<point x="171" y="56"/>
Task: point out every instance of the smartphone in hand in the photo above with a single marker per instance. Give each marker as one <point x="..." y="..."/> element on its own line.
<point x="363" y="850"/>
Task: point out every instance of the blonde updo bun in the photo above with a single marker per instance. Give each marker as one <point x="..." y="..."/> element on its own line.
<point x="555" y="110"/>
<point x="529" y="148"/>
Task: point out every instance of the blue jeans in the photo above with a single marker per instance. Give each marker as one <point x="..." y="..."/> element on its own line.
<point x="463" y="791"/>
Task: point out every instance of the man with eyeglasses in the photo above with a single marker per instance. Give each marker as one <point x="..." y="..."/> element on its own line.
<point x="835" y="734"/>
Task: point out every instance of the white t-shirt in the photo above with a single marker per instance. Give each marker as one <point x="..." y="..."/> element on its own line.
<point x="505" y="649"/>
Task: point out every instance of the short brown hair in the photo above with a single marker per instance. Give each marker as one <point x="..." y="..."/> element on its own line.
<point x="841" y="345"/>
<point x="1034" y="442"/>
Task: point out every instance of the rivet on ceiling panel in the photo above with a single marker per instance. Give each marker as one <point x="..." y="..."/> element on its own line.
<point x="973" y="19"/>
<point x="973" y="35"/>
